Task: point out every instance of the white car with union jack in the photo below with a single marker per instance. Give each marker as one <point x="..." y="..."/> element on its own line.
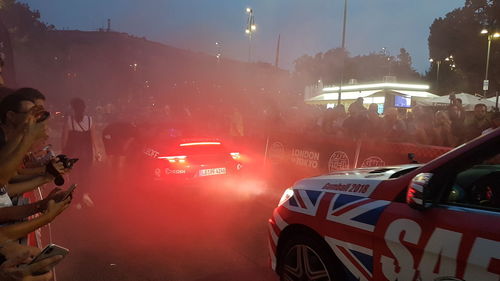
<point x="438" y="221"/>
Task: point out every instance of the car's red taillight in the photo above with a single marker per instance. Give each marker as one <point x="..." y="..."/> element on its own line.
<point x="235" y="155"/>
<point x="174" y="159"/>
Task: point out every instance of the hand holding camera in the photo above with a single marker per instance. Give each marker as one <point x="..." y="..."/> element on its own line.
<point x="60" y="166"/>
<point x="34" y="128"/>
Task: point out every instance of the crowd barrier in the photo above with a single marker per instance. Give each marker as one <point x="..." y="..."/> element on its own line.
<point x="308" y="155"/>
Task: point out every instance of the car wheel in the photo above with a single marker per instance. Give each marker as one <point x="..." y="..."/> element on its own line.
<point x="307" y="258"/>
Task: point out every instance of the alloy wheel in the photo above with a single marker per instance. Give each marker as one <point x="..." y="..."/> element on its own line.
<point x="302" y="263"/>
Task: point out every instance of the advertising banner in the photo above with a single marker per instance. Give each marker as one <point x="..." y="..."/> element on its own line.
<point x="380" y="153"/>
<point x="311" y="155"/>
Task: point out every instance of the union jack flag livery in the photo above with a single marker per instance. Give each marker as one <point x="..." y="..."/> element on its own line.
<point x="438" y="221"/>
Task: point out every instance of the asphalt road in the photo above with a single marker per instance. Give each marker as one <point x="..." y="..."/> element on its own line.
<point x="201" y="231"/>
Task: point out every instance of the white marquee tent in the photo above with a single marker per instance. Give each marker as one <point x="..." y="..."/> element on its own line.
<point x="468" y="101"/>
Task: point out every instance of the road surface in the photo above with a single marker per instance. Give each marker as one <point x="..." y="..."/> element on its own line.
<point x="201" y="231"/>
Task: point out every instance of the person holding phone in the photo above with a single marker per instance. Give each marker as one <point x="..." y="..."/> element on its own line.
<point x="21" y="229"/>
<point x="33" y="101"/>
<point x="11" y="156"/>
<point x="11" y="214"/>
<point x="17" y="263"/>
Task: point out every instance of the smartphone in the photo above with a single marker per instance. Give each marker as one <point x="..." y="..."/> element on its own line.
<point x="70" y="191"/>
<point x="50" y="251"/>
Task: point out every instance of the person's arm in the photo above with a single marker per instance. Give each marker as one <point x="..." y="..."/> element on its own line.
<point x="13" y="141"/>
<point x="21" y="177"/>
<point x="29" y="128"/>
<point x="37" y="171"/>
<point x="16" y="213"/>
<point x="18" y="147"/>
<point x="18" y="144"/>
<point x="31" y="173"/>
<point x="26" y="174"/>
<point x="21" y="229"/>
<point x="16" y="189"/>
<point x="11" y="156"/>
<point x="17" y="268"/>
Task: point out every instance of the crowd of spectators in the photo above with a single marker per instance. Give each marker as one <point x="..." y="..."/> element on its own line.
<point x="448" y="127"/>
<point x="25" y="166"/>
<point x="26" y="162"/>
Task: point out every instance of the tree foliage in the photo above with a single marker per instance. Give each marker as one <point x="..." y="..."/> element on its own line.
<point x="23" y="24"/>
<point x="365" y="68"/>
<point x="458" y="34"/>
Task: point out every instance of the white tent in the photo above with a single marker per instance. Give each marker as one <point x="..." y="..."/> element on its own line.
<point x="468" y="101"/>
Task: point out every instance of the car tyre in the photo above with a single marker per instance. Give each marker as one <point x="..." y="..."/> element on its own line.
<point x="308" y="258"/>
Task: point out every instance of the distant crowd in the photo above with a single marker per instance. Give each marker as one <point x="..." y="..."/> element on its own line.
<point x="448" y="127"/>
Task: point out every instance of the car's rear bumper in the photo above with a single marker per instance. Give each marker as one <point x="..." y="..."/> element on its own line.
<point x="193" y="174"/>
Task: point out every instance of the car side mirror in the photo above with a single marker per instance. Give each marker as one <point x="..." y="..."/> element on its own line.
<point x="411" y="158"/>
<point x="418" y="193"/>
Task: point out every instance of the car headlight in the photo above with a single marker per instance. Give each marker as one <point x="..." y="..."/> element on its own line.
<point x="286" y="195"/>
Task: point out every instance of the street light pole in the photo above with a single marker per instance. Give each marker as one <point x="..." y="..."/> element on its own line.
<point x="343" y="52"/>
<point x="487" y="65"/>
<point x="250" y="48"/>
<point x="448" y="59"/>
<point x="250" y="30"/>
<point x="219" y="51"/>
<point x="437" y="75"/>
<point x="490" y="38"/>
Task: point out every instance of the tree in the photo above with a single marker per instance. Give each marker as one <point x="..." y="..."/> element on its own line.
<point x="23" y="23"/>
<point x="364" y="68"/>
<point x="458" y="34"/>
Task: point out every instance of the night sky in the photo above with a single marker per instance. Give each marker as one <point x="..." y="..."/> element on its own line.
<point x="306" y="26"/>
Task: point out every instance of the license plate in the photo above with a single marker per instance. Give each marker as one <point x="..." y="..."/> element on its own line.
<point x="212" y="172"/>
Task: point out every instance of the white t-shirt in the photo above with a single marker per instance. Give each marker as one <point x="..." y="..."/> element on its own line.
<point x="81" y="126"/>
<point x="5" y="200"/>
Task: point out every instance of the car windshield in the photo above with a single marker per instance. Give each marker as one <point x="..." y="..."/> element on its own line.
<point x="143" y="92"/>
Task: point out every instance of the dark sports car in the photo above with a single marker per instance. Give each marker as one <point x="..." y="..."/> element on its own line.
<point x="195" y="159"/>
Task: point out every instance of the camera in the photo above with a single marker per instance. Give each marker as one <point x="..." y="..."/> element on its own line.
<point x="44" y="115"/>
<point x="67" y="163"/>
